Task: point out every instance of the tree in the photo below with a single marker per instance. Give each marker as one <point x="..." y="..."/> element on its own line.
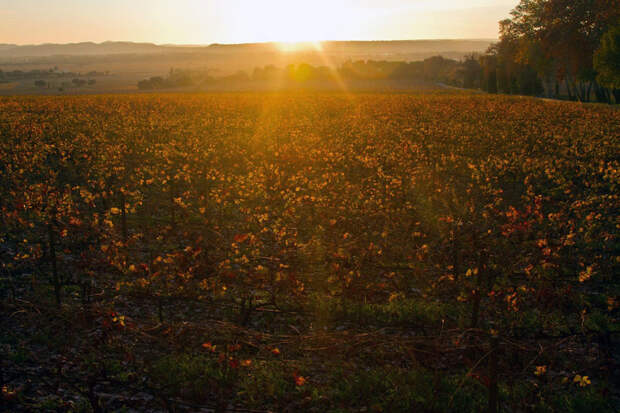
<point x="607" y="61"/>
<point x="472" y="72"/>
<point x="489" y="73"/>
<point x="570" y="31"/>
<point x="78" y="82"/>
<point x="557" y="39"/>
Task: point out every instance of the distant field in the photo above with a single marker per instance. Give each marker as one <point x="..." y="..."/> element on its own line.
<point x="114" y="83"/>
<point x="297" y="251"/>
<point x="126" y="84"/>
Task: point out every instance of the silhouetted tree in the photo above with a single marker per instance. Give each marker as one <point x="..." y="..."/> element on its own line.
<point x="607" y="62"/>
<point x="557" y="38"/>
<point x="489" y="72"/>
<point x="472" y="72"/>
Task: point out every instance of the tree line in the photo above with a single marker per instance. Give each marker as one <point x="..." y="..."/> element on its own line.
<point x="434" y="69"/>
<point x="52" y="73"/>
<point x="555" y="48"/>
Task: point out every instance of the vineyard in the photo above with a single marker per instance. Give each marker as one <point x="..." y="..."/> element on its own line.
<point x="296" y="252"/>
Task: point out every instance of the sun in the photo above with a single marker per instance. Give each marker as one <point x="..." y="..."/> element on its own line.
<point x="291" y="22"/>
<point x="291" y="47"/>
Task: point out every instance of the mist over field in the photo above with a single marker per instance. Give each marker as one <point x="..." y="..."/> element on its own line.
<point x="127" y="63"/>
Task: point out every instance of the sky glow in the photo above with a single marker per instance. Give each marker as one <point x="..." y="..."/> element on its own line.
<point x="242" y="21"/>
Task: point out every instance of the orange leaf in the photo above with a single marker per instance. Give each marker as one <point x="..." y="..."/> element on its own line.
<point x="299" y="380"/>
<point x="241" y="237"/>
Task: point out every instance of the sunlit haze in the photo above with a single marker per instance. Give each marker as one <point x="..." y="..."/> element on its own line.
<point x="240" y="21"/>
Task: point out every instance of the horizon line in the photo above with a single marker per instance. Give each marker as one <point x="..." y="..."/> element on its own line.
<point x="266" y="42"/>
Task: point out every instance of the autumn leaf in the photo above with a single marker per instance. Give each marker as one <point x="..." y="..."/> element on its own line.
<point x="586" y="275"/>
<point x="239" y="238"/>
<point x="120" y="319"/>
<point x="299" y="380"/>
<point x="582" y="381"/>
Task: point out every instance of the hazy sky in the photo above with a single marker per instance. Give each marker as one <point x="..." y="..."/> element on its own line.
<point x="234" y="21"/>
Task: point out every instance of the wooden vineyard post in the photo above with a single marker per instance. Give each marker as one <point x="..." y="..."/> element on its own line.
<point x="476" y="305"/>
<point x="172" y="206"/>
<point x="160" y="308"/>
<point x="52" y="247"/>
<point x="493" y="389"/>
<point x="123" y="217"/>
<point x="481" y="277"/>
<point x="455" y="253"/>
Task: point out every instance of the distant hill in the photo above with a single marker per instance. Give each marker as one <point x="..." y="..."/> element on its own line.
<point x="80" y="49"/>
<point x="386" y="48"/>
